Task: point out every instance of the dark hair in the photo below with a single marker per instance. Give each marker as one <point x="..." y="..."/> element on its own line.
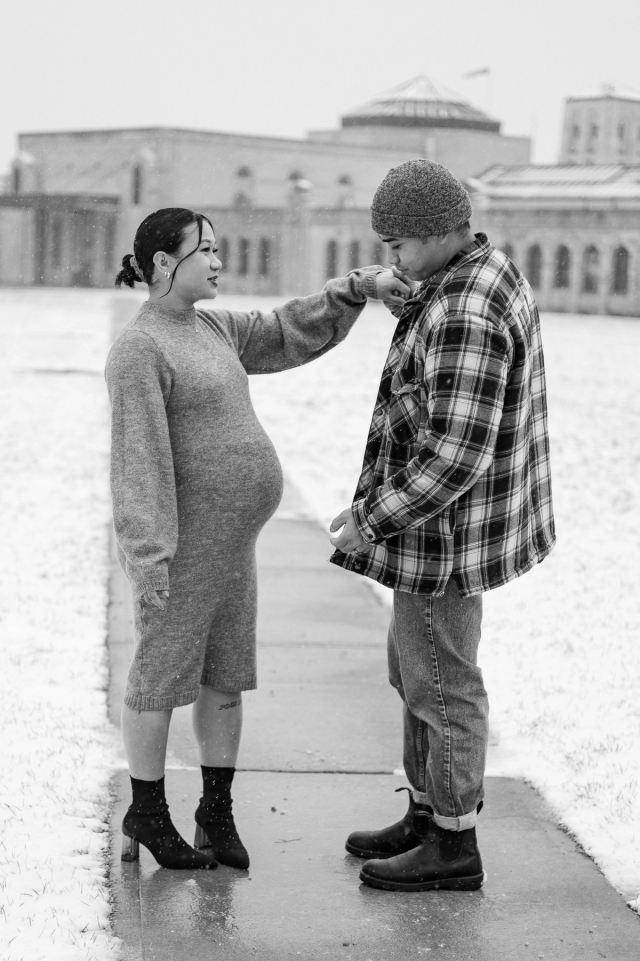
<point x="165" y="230"/>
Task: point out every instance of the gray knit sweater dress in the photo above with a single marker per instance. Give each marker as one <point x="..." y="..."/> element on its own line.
<point x="194" y="478"/>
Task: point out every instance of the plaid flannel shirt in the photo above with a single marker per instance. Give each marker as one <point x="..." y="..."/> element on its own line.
<point x="456" y="476"/>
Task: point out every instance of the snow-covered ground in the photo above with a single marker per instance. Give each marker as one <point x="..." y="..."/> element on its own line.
<point x="55" y="748"/>
<point x="559" y="650"/>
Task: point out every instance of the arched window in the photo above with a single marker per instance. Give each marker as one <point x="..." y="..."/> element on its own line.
<point x="508" y="250"/>
<point x="57" y="230"/>
<point x="562" y="267"/>
<point x="534" y="266"/>
<point x="354" y="255"/>
<point x="590" y="270"/>
<point x="244" y="182"/>
<point x="264" y="256"/>
<point x="331" y="269"/>
<point x="223" y="253"/>
<point x="136" y="184"/>
<point x="575" y="137"/>
<point x="243" y="256"/>
<point x="620" y="271"/>
<point x="345" y="196"/>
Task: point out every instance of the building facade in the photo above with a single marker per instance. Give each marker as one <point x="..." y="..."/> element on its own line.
<point x="574" y="231"/>
<point x="601" y="126"/>
<point x="288" y="213"/>
<point x="58" y="240"/>
<point x="574" y="227"/>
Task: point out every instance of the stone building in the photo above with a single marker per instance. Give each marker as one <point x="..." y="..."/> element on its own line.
<point x="288" y="213"/>
<point x="601" y="126"/>
<point x="574" y="228"/>
<point x="574" y="231"/>
<point x="57" y="239"/>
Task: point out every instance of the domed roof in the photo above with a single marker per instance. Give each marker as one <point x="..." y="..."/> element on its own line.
<point x="420" y="103"/>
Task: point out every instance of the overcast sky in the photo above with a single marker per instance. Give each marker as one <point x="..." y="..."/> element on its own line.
<point x="287" y="66"/>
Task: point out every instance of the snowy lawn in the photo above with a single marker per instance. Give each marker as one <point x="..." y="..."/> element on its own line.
<point x="560" y="649"/>
<point x="55" y="750"/>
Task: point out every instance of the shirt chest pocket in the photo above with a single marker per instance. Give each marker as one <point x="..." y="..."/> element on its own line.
<point x="406" y="407"/>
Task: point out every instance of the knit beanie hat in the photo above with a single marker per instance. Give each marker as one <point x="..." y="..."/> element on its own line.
<point x="419" y="198"/>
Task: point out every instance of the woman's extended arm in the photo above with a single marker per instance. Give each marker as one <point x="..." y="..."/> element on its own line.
<point x="302" y="329"/>
<point x="142" y="477"/>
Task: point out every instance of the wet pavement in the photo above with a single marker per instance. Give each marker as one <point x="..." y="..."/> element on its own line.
<point x="321" y="742"/>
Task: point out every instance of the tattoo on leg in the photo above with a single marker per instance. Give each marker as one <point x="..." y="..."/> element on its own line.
<point x="225" y="707"/>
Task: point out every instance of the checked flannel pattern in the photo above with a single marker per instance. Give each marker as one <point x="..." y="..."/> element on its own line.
<point x="456" y="475"/>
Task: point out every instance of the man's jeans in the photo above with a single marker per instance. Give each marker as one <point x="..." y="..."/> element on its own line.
<point x="433" y="649"/>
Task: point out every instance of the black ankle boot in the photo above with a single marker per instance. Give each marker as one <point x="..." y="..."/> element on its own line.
<point x="216" y="828"/>
<point x="390" y="841"/>
<point x="148" y="822"/>
<point x="445" y="859"/>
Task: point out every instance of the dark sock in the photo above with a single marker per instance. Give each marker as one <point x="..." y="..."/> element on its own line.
<point x="148" y="797"/>
<point x="216" y="783"/>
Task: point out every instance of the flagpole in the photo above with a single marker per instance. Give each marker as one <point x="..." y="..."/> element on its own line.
<point x="488" y="93"/>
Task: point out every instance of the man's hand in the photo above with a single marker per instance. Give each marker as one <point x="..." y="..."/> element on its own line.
<point x="392" y="287"/>
<point x="158" y="599"/>
<point x="351" y="539"/>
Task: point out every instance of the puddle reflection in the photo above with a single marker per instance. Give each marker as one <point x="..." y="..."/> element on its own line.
<point x="198" y="903"/>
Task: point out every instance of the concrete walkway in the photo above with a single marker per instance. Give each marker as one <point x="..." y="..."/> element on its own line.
<point x="321" y="742"/>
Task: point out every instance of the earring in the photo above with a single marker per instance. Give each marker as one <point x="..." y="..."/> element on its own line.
<point x="167" y="273"/>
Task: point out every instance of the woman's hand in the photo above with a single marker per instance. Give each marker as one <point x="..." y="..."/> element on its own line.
<point x="392" y="287"/>
<point x="158" y="599"/>
<point x="351" y="539"/>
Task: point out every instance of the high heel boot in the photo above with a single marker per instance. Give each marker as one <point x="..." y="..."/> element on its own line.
<point x="149" y="823"/>
<point x="215" y="827"/>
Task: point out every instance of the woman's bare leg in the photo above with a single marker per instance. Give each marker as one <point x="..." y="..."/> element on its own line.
<point x="145" y="740"/>
<point x="217" y="724"/>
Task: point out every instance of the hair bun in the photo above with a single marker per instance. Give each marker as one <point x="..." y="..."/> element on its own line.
<point x="128" y="275"/>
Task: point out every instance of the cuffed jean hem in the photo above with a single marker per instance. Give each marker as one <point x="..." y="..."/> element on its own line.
<point x="448" y="824"/>
<point x="151" y="702"/>
<point x="230" y="685"/>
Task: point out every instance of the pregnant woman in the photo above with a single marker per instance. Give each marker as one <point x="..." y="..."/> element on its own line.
<point x="194" y="478"/>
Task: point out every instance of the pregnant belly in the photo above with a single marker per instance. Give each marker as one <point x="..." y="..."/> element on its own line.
<point x="230" y="492"/>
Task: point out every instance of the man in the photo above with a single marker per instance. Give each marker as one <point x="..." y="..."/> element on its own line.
<point x="454" y="499"/>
